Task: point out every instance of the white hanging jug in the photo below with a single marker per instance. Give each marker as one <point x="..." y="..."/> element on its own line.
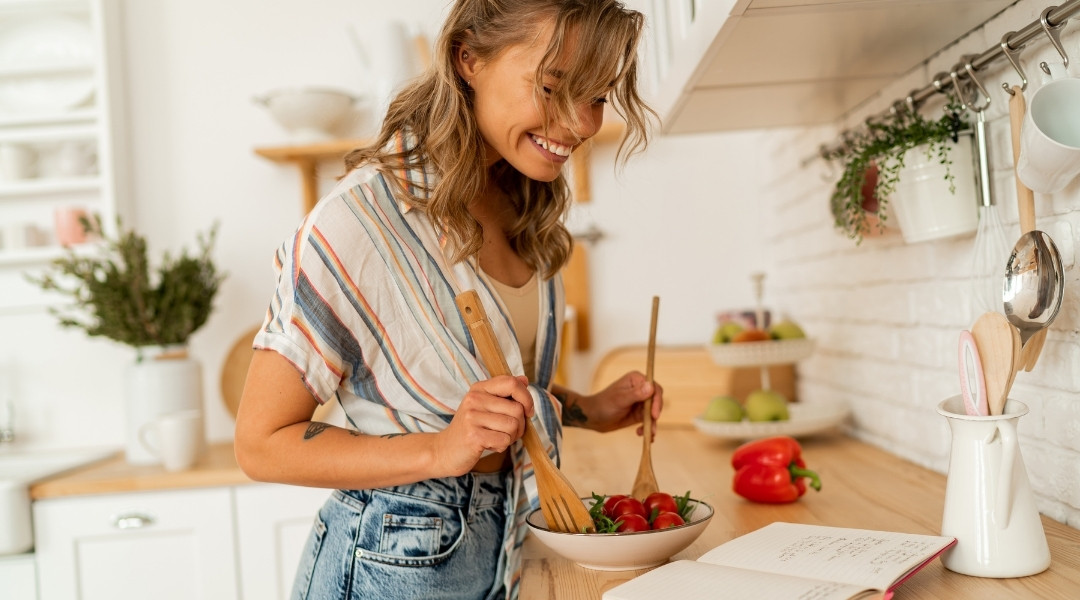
<point x="989" y="507"/>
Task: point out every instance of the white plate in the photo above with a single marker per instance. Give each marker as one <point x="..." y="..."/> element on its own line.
<point x="806" y="419"/>
<point x="48" y="63"/>
<point x="768" y="352"/>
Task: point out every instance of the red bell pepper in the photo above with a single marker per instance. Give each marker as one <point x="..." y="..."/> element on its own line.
<point x="771" y="470"/>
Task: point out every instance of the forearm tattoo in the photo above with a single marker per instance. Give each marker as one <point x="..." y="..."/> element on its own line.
<point x="314" y="428"/>
<point x="572" y="415"/>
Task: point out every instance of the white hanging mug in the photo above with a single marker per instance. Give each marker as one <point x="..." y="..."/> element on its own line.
<point x="989" y="507"/>
<point x="175" y="438"/>
<point x="1050" y="137"/>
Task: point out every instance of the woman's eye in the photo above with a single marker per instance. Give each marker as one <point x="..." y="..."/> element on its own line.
<point x="600" y="100"/>
<point x="547" y="91"/>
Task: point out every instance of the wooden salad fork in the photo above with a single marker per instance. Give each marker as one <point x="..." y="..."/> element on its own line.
<point x="561" y="506"/>
<point x="645" y="483"/>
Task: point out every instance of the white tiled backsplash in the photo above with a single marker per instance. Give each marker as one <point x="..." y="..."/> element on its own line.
<point x="888" y="314"/>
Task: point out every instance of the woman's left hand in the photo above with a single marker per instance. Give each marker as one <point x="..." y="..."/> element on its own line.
<point x="620" y="404"/>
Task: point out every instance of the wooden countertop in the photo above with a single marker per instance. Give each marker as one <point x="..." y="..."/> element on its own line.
<point x="863" y="487"/>
<point x="217" y="466"/>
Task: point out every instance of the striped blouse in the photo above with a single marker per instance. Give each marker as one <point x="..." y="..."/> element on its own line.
<point x="364" y="308"/>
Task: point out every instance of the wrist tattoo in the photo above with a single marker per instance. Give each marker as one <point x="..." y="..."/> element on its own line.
<point x="392" y="435"/>
<point x="572" y="415"/>
<point x="314" y="428"/>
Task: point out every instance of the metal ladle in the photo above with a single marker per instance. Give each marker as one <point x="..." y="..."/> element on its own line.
<point x="1034" y="283"/>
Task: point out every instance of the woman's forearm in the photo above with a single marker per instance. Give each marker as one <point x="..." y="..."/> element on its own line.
<point x="320" y="455"/>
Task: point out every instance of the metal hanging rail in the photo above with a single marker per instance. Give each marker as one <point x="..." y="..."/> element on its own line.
<point x="1050" y="23"/>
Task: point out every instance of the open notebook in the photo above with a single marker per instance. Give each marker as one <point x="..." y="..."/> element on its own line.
<point x="791" y="561"/>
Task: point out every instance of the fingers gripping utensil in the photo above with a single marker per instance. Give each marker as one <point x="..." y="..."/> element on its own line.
<point x="1033" y="326"/>
<point x="560" y="504"/>
<point x="645" y="483"/>
<point x="998" y="344"/>
<point x="972" y="380"/>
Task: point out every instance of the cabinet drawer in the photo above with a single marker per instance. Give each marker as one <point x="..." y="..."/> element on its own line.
<point x="176" y="544"/>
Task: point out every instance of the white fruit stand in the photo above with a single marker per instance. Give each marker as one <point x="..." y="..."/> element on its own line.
<point x="805" y="418"/>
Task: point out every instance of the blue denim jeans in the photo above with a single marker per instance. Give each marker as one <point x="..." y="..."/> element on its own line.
<point x="440" y="538"/>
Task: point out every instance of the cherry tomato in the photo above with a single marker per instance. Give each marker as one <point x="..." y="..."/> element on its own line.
<point x="631" y="522"/>
<point x="610" y="503"/>
<point x="667" y="519"/>
<point x="660" y="502"/>
<point x="629" y="506"/>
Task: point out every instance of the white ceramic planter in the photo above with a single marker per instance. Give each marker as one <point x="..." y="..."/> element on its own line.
<point x="925" y="208"/>
<point x="165" y="380"/>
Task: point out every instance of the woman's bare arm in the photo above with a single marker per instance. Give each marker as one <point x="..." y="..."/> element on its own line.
<point x="276" y="440"/>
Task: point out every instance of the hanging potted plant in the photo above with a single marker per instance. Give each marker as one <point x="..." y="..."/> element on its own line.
<point x="114" y="295"/>
<point x="875" y="163"/>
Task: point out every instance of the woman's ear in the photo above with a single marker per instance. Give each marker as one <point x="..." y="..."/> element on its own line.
<point x="465" y="62"/>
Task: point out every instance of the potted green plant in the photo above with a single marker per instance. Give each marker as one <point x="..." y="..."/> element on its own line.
<point x="116" y="294"/>
<point x="874" y="159"/>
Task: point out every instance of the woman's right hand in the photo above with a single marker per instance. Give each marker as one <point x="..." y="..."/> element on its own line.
<point x="491" y="417"/>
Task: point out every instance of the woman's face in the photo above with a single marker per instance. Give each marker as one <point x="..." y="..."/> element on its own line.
<point x="509" y="118"/>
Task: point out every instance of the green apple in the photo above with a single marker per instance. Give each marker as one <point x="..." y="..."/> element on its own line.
<point x="726" y="331"/>
<point x="766" y="405"/>
<point x="786" y="330"/>
<point x="723" y="408"/>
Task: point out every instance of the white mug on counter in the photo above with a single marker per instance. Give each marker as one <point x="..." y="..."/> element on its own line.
<point x="1050" y="137"/>
<point x="175" y="438"/>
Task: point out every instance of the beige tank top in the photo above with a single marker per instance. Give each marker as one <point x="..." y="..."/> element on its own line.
<point x="523" y="304"/>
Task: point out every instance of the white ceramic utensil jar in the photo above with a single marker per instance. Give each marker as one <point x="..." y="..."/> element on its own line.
<point x="989" y="507"/>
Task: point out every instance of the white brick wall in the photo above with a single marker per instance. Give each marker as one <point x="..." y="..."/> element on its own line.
<point x="887" y="314"/>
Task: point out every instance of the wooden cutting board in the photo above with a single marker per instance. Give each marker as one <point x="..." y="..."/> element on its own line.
<point x="234" y="371"/>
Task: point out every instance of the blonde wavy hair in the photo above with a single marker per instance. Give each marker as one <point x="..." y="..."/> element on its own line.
<point x="436" y="108"/>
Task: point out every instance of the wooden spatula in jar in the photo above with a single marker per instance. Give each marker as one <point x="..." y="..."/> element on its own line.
<point x="561" y="506"/>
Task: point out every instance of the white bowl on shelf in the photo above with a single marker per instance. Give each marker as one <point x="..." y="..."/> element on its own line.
<point x="309" y="114"/>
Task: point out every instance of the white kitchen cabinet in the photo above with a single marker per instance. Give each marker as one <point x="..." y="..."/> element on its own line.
<point x="162" y="545"/>
<point x="272" y="525"/>
<point x="18" y="579"/>
<point x="739" y="64"/>
<point x="60" y="127"/>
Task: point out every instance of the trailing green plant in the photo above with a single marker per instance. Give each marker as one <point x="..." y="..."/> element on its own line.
<point x="883" y="144"/>
<point x="114" y="295"/>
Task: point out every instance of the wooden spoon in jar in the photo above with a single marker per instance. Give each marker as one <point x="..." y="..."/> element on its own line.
<point x="645" y="483"/>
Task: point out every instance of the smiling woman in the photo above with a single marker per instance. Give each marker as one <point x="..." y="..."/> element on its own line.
<point x="462" y="190"/>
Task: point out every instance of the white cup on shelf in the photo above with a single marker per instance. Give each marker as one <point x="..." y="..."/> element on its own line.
<point x="17" y="161"/>
<point x="75" y="159"/>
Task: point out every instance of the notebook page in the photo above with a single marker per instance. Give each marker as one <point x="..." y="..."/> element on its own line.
<point x="692" y="579"/>
<point x="856" y="556"/>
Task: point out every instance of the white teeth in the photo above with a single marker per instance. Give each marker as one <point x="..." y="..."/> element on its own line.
<point x="552" y="147"/>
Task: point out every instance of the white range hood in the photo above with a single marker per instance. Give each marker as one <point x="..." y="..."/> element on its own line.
<point x="741" y="64"/>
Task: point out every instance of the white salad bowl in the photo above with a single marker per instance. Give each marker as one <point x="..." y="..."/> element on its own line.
<point x="622" y="551"/>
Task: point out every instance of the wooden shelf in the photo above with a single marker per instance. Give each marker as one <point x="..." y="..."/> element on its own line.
<point x="307" y="158"/>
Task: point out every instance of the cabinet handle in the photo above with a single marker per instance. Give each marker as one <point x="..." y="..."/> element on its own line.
<point x="132" y="521"/>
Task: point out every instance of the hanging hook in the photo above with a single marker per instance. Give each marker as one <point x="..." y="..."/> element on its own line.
<point x="1054" y="33"/>
<point x="910" y="101"/>
<point x="971" y="75"/>
<point x="1014" y="58"/>
<point x="958" y="87"/>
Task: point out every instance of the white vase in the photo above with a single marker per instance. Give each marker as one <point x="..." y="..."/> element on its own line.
<point x="162" y="380"/>
<point x="925" y="207"/>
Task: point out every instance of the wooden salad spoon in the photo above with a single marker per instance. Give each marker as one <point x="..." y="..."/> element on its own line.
<point x="645" y="483"/>
<point x="560" y="504"/>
